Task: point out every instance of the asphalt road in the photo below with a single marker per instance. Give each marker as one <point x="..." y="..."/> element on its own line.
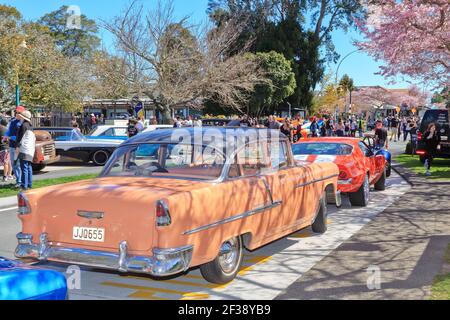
<point x="265" y="274"/>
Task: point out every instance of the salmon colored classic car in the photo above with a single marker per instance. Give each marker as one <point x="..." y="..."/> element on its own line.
<point x="359" y="166"/>
<point x="166" y="202"/>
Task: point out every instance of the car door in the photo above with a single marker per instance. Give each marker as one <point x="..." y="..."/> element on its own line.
<point x="283" y="180"/>
<point x="374" y="163"/>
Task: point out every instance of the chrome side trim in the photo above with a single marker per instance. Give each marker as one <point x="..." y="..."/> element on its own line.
<point x="235" y="218"/>
<point x="301" y="185"/>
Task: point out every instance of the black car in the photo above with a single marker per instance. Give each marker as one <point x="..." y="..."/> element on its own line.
<point x="441" y="119"/>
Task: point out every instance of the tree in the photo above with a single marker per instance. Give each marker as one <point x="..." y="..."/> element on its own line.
<point x="280" y="25"/>
<point x="411" y="37"/>
<point x="172" y="64"/>
<point x="45" y="76"/>
<point x="280" y="85"/>
<point x="73" y="42"/>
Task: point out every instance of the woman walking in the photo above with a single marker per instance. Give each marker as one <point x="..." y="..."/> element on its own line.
<point x="340" y="129"/>
<point x="26" y="144"/>
<point x="432" y="141"/>
<point x="4" y="152"/>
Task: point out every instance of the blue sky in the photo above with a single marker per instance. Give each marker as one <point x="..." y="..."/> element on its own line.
<point x="359" y="66"/>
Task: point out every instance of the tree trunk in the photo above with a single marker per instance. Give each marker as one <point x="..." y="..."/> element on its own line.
<point x="166" y="113"/>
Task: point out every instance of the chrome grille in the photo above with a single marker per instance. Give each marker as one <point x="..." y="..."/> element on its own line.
<point x="49" y="149"/>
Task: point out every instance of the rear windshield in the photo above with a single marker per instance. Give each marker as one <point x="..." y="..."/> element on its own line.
<point x="331" y="149"/>
<point x="439" y="117"/>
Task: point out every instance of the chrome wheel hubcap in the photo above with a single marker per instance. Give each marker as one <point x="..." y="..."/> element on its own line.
<point x="229" y="256"/>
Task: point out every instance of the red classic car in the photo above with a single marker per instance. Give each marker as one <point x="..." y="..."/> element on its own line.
<point x="359" y="167"/>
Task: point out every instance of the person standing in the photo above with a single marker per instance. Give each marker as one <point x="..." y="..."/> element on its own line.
<point x="4" y="152"/>
<point x="381" y="136"/>
<point x="11" y="136"/>
<point x="286" y="129"/>
<point x="314" y="128"/>
<point x="360" y="127"/>
<point x="394" y="129"/>
<point x="26" y="147"/>
<point x="272" y="123"/>
<point x="340" y="129"/>
<point x="353" y="127"/>
<point x="329" y="128"/>
<point x="432" y="140"/>
<point x="132" y="129"/>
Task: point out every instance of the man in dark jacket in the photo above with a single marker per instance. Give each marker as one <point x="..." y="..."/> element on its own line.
<point x="11" y="134"/>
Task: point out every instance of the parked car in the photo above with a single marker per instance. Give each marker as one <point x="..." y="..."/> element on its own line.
<point x="369" y="140"/>
<point x="441" y="119"/>
<point x="163" y="213"/>
<point x="213" y="122"/>
<point x="359" y="166"/>
<point x="72" y="144"/>
<point x="108" y="132"/>
<point x="45" y="151"/>
<point x="21" y="282"/>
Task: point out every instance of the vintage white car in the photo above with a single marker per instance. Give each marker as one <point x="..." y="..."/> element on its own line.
<point x="70" y="143"/>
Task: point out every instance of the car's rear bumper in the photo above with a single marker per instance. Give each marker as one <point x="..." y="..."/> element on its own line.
<point x="164" y="262"/>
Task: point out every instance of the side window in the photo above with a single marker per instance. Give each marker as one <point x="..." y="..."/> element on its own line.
<point x="108" y="132"/>
<point x="118" y="132"/>
<point x="365" y="150"/>
<point x="250" y="161"/>
<point x="279" y="155"/>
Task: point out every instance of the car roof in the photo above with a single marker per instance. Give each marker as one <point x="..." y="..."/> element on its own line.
<point x="332" y="140"/>
<point x="167" y="136"/>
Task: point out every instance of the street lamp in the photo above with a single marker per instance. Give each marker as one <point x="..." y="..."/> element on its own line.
<point x="340" y="63"/>
<point x="22" y="45"/>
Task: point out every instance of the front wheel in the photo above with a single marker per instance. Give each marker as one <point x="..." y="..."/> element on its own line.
<point x="361" y="197"/>
<point x="225" y="267"/>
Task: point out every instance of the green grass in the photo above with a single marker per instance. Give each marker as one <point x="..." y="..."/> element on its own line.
<point x="440" y="169"/>
<point x="9" y="190"/>
<point x="441" y="285"/>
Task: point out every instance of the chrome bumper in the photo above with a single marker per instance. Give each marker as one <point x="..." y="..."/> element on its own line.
<point x="164" y="262"/>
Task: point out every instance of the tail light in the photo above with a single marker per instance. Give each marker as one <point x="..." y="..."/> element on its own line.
<point x="421" y="152"/>
<point x="343" y="175"/>
<point x="419" y="136"/>
<point x="162" y="214"/>
<point x="23" y="204"/>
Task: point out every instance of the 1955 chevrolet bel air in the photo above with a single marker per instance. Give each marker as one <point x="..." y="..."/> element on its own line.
<point x="175" y="199"/>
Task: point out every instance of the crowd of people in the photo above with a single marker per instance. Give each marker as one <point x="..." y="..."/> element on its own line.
<point x="398" y="126"/>
<point x="17" y="148"/>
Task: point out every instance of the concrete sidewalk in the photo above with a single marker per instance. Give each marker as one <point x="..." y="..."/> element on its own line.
<point x="406" y="243"/>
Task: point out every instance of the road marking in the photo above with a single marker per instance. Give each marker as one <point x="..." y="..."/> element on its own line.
<point x="183" y="283"/>
<point x="8" y="209"/>
<point x="195" y="296"/>
<point x="147" y="295"/>
<point x="142" y="288"/>
<point x="302" y="235"/>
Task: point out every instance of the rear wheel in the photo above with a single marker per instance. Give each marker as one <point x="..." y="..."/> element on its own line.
<point x="226" y="265"/>
<point x="100" y="157"/>
<point x="361" y="197"/>
<point x="320" y="224"/>
<point x="381" y="183"/>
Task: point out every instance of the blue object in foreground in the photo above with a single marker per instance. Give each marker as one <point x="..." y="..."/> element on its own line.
<point x="22" y="282"/>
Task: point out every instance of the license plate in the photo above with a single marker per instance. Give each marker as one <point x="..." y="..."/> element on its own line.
<point x="89" y="234"/>
<point x="444" y="138"/>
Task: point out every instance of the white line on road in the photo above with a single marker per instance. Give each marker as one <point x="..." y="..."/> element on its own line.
<point x="8" y="209"/>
